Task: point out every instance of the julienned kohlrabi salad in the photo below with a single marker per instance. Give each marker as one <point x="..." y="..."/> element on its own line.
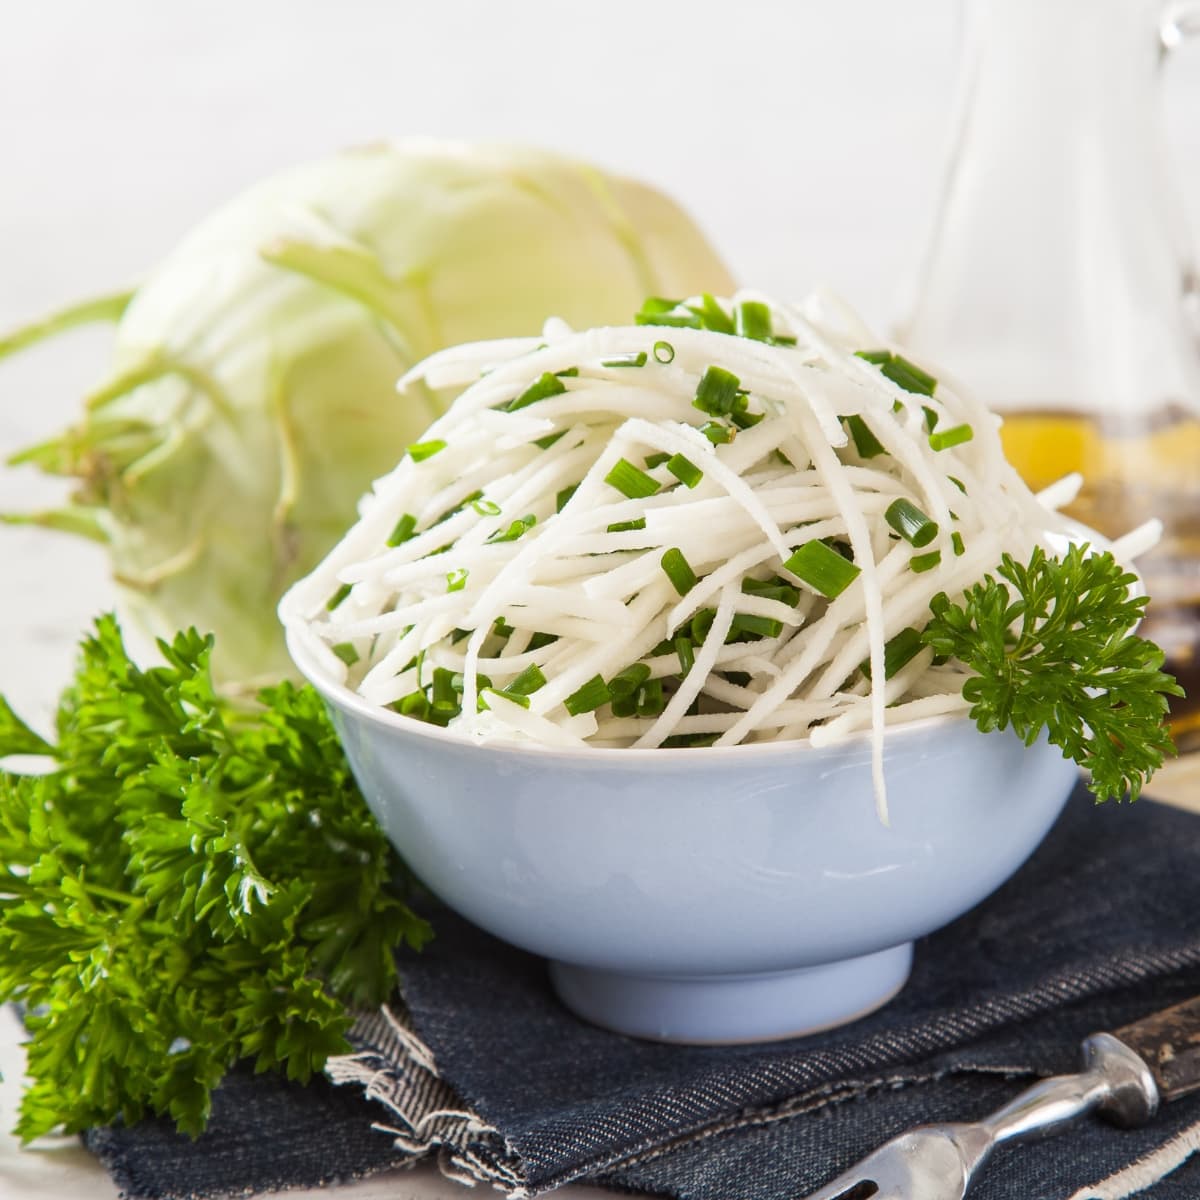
<point x="733" y="521"/>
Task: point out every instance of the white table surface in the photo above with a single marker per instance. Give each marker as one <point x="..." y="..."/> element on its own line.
<point x="805" y="137"/>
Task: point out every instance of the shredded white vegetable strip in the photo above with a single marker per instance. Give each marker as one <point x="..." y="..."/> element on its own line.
<point x="508" y="578"/>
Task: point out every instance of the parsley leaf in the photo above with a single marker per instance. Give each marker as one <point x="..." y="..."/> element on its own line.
<point x="192" y="884"/>
<point x="1052" y="648"/>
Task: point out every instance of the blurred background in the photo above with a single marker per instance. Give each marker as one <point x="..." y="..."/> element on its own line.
<point x="807" y="139"/>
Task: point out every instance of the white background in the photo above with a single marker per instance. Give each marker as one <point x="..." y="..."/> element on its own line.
<point x="806" y="138"/>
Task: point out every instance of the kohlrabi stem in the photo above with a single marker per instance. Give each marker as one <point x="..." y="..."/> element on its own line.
<point x="102" y="308"/>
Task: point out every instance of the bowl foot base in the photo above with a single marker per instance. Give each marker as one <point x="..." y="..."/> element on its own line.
<point x="734" y="1008"/>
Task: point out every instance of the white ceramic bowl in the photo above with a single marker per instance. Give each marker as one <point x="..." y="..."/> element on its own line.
<point x="707" y="895"/>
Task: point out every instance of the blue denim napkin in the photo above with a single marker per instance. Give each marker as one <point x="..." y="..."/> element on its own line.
<point x="482" y="1067"/>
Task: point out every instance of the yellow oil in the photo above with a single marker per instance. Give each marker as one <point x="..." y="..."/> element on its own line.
<point x="1131" y="476"/>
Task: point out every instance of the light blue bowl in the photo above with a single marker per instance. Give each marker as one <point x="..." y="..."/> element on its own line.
<point x="707" y="895"/>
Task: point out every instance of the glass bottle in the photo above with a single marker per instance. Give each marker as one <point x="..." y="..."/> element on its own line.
<point x="1058" y="283"/>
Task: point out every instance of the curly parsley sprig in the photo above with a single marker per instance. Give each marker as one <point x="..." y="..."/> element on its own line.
<point x="192" y="884"/>
<point x="1052" y="647"/>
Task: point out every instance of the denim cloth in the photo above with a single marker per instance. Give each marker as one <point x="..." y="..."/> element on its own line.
<point x="1096" y="930"/>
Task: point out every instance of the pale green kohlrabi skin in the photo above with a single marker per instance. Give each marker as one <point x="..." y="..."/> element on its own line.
<point x="253" y="395"/>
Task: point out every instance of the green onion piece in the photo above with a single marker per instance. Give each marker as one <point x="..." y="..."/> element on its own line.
<point x="752" y="623"/>
<point x="457" y="580"/>
<point x="702" y="623"/>
<point x="666" y="646"/>
<point x="626" y="360"/>
<point x="951" y="437"/>
<point x="568" y="373"/>
<point x="744" y="420"/>
<point x="752" y="319"/>
<point x="925" y="562"/>
<point x="716" y="393"/>
<point x="420" y="451"/>
<point x="688" y="741"/>
<point x="717" y="433"/>
<point x="544" y="443"/>
<point x="549" y="385"/>
<point x="624" y="706"/>
<point x="627" y="681"/>
<point x="910" y="523"/>
<point x="627" y="526"/>
<point x="664" y="352"/>
<point x="650" y="701"/>
<point x="404" y="530"/>
<point x="958" y="483"/>
<point x="656" y="460"/>
<point x="346" y="652"/>
<point x="878" y="357"/>
<point x="542" y="639"/>
<point x="560" y="501"/>
<point x="415" y="704"/>
<point x="784" y="460"/>
<point x="630" y="481"/>
<point x="678" y="571"/>
<point x="444" y="691"/>
<point x="822" y="568"/>
<point x="659" y="311"/>
<point x="686" y="652"/>
<point x="684" y="470"/>
<point x="865" y="442"/>
<point x="457" y="635"/>
<point x="931" y="418"/>
<point x="909" y="376"/>
<point x="458" y="682"/>
<point x="772" y="589"/>
<point x="337" y="597"/>
<point x="898" y="652"/>
<point x="502" y="628"/>
<point x="515" y="530"/>
<point x="486" y="508"/>
<point x="957" y="542"/>
<point x="737" y="678"/>
<point x="515" y="697"/>
<point x="528" y="681"/>
<point x="588" y="698"/>
<point x="712" y="315"/>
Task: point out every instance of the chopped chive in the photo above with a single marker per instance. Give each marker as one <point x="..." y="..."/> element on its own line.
<point x="650" y="701"/>
<point x="716" y="393"/>
<point x="951" y="437"/>
<point x="878" y="357"/>
<point x="865" y="442"/>
<point x="457" y="580"/>
<point x="737" y="678"/>
<point x="718" y="433"/>
<point x="678" y="570"/>
<point x="420" y="451"/>
<point x="745" y="420"/>
<point x="657" y="310"/>
<point x="515" y="697"/>
<point x="549" y="385"/>
<point x="517" y="529"/>
<point x="925" y="562"/>
<point x="958" y="483"/>
<point x="627" y="526"/>
<point x="337" y="597"/>
<point x="752" y="319"/>
<point x="415" y="704"/>
<point x="689" y="741"/>
<point x="909" y="376"/>
<point x="630" y="481"/>
<point x="712" y="315"/>
<point x="542" y="639"/>
<point x="772" y="589"/>
<point x="752" y="623"/>
<point x="822" y="568"/>
<point x="457" y="635"/>
<point x="626" y="360"/>
<point x="783" y="458"/>
<point x="501" y="628"/>
<point x="458" y="681"/>
<point x="684" y="470"/>
<point x="781" y="339"/>
<point x="404" y="530"/>
<point x="528" y="681"/>
<point x="560" y="501"/>
<point x="898" y="652"/>
<point x="346" y="652"/>
<point x="666" y="646"/>
<point x="686" y="652"/>
<point x="627" y="681"/>
<point x="931" y="418"/>
<point x="702" y="623"/>
<point x="486" y="508"/>
<point x="656" y="460"/>
<point x="444" y="691"/>
<point x="568" y="373"/>
<point x="910" y="523"/>
<point x="957" y="542"/>
<point x="589" y="697"/>
<point x="624" y="706"/>
<point x="664" y="352"/>
<point x="544" y="443"/>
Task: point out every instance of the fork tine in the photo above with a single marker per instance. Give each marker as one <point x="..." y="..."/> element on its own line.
<point x="854" y="1184"/>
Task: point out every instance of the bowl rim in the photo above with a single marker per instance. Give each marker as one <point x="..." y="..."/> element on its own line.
<point x="347" y="699"/>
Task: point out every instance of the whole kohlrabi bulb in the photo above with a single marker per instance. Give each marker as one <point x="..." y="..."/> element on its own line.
<point x="253" y="395"/>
